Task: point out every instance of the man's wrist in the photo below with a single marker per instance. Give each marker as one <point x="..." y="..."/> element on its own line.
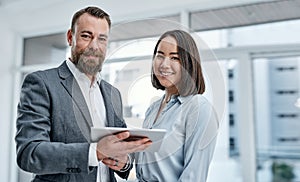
<point x="127" y="164"/>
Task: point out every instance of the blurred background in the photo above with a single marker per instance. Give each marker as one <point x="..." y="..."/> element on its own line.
<point x="250" y="51"/>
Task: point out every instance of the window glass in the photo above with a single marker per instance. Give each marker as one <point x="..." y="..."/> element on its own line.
<point x="47" y="49"/>
<point x="286" y="32"/>
<point x="277" y="108"/>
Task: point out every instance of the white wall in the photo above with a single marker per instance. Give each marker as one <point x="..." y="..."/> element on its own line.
<point x="8" y="52"/>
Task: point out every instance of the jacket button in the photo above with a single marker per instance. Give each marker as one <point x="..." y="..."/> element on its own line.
<point x="78" y="170"/>
<point x="73" y="170"/>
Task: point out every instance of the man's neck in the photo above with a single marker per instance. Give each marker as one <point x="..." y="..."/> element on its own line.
<point x="92" y="78"/>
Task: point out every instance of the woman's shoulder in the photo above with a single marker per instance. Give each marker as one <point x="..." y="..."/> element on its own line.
<point x="197" y="99"/>
<point x="155" y="102"/>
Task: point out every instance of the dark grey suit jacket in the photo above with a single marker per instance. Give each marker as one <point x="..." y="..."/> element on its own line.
<point x="53" y="126"/>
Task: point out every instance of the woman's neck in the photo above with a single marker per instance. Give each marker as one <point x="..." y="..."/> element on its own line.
<point x="169" y="93"/>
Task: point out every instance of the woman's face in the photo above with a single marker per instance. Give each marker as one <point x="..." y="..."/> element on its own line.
<point x="166" y="64"/>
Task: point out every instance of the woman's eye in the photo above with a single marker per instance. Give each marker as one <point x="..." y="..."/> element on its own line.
<point x="160" y="57"/>
<point x="174" y="58"/>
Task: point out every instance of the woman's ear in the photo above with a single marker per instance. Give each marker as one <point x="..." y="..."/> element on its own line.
<point x="69" y="37"/>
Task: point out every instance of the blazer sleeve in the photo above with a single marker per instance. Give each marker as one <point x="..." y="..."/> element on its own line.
<point x="36" y="152"/>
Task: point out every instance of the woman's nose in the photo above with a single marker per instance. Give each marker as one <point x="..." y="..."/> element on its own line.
<point x="166" y="61"/>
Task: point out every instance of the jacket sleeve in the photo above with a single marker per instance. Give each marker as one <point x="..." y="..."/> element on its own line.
<point x="36" y="152"/>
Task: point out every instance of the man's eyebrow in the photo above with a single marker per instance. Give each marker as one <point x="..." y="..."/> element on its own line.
<point x="103" y="35"/>
<point x="86" y="31"/>
<point x="91" y="33"/>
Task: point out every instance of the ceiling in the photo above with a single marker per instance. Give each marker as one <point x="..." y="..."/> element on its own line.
<point x="33" y="18"/>
<point x="211" y="19"/>
<point x="248" y="14"/>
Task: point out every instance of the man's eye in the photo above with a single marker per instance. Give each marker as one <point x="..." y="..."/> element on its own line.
<point x="103" y="39"/>
<point x="85" y="36"/>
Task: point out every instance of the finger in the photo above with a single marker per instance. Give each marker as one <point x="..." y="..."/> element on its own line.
<point x="122" y="159"/>
<point x="136" y="146"/>
<point x="113" y="163"/>
<point x="116" y="168"/>
<point x="116" y="137"/>
<point x="108" y="161"/>
<point x="121" y="136"/>
<point x="139" y="142"/>
<point x="140" y="148"/>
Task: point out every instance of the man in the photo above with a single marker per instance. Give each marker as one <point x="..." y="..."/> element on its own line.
<point x="58" y="107"/>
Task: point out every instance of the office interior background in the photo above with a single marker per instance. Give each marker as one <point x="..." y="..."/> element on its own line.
<point x="250" y="51"/>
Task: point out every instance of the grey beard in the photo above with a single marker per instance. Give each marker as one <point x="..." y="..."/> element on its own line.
<point x="89" y="66"/>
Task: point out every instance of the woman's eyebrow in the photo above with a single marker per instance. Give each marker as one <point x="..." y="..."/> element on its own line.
<point x="160" y="52"/>
<point x="172" y="53"/>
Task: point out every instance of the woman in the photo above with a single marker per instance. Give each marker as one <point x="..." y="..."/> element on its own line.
<point x="189" y="118"/>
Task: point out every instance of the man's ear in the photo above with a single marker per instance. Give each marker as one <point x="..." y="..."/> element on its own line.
<point x="69" y="37"/>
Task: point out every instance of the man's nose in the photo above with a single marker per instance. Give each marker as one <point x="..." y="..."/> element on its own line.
<point x="95" y="44"/>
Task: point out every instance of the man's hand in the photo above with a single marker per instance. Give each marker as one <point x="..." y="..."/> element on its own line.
<point x="116" y="163"/>
<point x="114" y="146"/>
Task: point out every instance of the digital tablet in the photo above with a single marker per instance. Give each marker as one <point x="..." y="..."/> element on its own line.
<point x="155" y="135"/>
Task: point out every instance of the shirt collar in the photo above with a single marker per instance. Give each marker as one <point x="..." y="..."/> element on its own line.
<point x="79" y="75"/>
<point x="180" y="99"/>
<point x="183" y="99"/>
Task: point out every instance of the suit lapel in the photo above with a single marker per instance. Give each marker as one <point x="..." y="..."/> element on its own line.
<point x="105" y="90"/>
<point x="72" y="87"/>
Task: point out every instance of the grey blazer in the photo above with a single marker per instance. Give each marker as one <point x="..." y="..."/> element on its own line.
<point x="53" y="126"/>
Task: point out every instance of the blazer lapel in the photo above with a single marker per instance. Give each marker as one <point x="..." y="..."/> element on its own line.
<point x="72" y="87"/>
<point x="107" y="102"/>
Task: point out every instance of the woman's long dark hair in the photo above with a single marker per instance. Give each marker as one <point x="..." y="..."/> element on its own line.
<point x="192" y="80"/>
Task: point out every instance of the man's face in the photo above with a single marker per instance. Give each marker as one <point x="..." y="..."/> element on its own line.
<point x="89" y="43"/>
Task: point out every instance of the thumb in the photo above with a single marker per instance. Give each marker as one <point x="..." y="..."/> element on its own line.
<point x="122" y="135"/>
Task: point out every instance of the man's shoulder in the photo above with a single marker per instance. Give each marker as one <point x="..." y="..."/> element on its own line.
<point x="46" y="73"/>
